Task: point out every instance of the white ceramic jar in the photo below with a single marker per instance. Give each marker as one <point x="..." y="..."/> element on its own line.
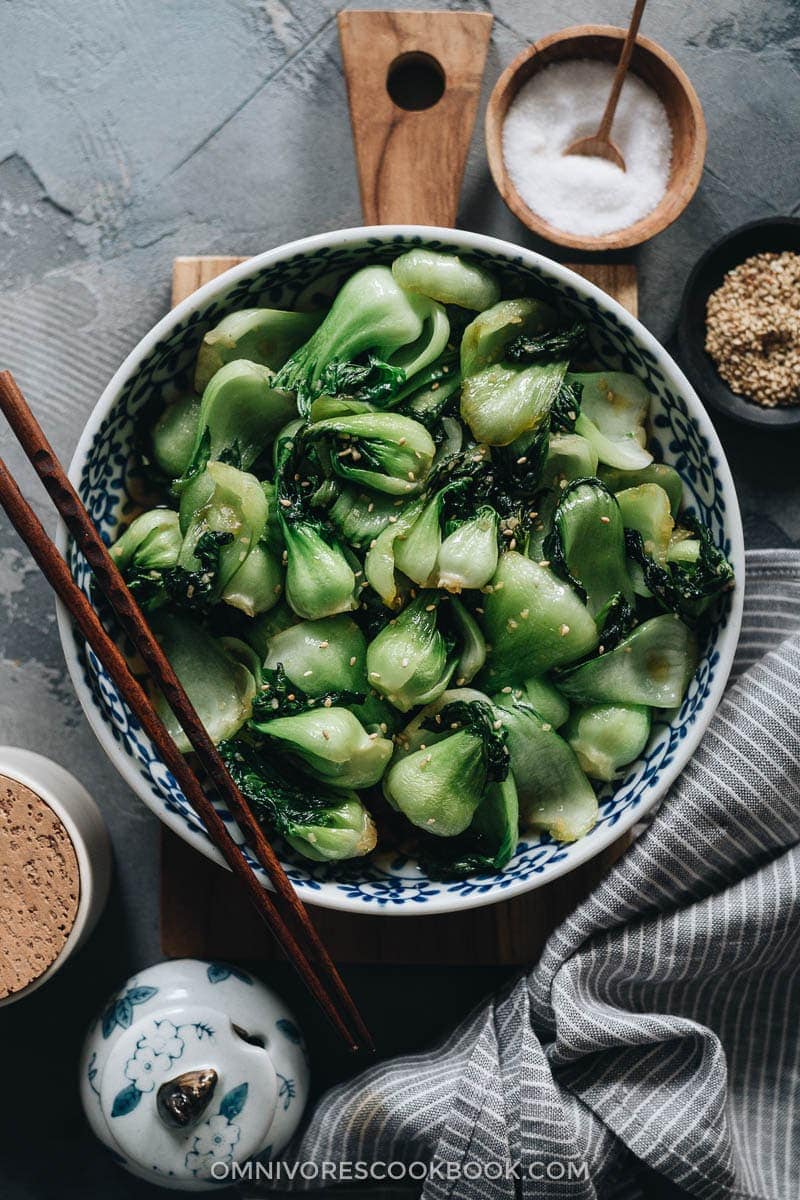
<point x="81" y="819"/>
<point x="192" y="1069"/>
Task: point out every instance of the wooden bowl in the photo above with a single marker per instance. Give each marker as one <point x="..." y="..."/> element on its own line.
<point x="657" y="69"/>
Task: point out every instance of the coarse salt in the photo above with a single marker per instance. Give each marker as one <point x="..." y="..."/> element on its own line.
<point x="588" y="196"/>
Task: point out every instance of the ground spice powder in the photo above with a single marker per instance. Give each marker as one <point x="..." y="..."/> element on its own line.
<point x="39" y="886"/>
<point x="753" y="328"/>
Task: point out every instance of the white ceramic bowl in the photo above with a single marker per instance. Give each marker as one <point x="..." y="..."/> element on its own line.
<point x="682" y="435"/>
<point x="87" y="831"/>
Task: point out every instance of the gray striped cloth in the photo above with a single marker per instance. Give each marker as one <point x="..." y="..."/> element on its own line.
<point x="661" y="1023"/>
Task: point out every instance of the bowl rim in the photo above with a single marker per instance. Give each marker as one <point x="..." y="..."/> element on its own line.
<point x="647" y="226"/>
<point x="328" y="895"/>
<point x="691" y="348"/>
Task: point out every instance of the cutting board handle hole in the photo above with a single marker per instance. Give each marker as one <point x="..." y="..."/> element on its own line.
<point x="415" y="81"/>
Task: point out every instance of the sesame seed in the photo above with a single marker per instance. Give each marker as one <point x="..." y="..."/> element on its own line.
<point x="326" y="735"/>
<point x="605" y="520"/>
<point x="353" y="661"/>
<point x="324" y="645"/>
<point x="564" y="630"/>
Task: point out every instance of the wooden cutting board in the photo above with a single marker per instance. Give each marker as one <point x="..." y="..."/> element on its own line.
<point x="204" y="913"/>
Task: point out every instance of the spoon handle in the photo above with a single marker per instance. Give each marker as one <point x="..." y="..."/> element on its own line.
<point x="604" y="129"/>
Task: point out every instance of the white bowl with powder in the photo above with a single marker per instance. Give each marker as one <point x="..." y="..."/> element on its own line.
<point x="55" y="868"/>
<point x="553" y="94"/>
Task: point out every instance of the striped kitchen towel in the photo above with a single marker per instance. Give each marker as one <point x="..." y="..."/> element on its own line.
<point x="662" y="1023"/>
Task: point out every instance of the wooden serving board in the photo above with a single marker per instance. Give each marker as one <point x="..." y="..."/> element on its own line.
<point x="204" y="913"/>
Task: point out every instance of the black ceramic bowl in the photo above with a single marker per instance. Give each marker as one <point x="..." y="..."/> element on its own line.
<point x="773" y="234"/>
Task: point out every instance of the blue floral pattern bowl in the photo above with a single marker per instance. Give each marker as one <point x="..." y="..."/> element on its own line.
<point x="681" y="434"/>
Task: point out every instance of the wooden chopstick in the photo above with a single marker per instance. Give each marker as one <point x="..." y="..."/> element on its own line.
<point x="312" y="961"/>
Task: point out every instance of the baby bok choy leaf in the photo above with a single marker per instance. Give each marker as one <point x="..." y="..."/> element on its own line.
<point x="447" y="278"/>
<point x="373" y="315"/>
<point x="554" y="344"/>
<point x="360" y="516"/>
<point x="533" y="622"/>
<point x="320" y="575"/>
<point x="320" y="580"/>
<point x="385" y="451"/>
<point x="651" y="666"/>
<point x="439" y="785"/>
<point x="218" y="683"/>
<point x="587" y="543"/>
<point x="266" y="336"/>
<point x="174" y="434"/>
<point x="151" y="542"/>
<point x="321" y="657"/>
<point x="485" y="846"/>
<point x="410" y="662"/>
<point x="380" y="562"/>
<point x="694" y="575"/>
<point x="614" y="408"/>
<point x="321" y="822"/>
<point x="606" y="737"/>
<point x="240" y="415"/>
<point x="468" y="555"/>
<point x="230" y="505"/>
<point x="617" y="480"/>
<point x="502" y="400"/>
<point x="330" y="744"/>
<point x="554" y="794"/>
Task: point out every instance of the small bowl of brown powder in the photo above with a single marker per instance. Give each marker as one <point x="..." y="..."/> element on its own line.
<point x="739" y="328"/>
<point x="55" y="862"/>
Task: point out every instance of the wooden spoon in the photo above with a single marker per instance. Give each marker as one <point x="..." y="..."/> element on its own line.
<point x="600" y="145"/>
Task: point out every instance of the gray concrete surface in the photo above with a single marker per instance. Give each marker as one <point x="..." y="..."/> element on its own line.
<point x="135" y="130"/>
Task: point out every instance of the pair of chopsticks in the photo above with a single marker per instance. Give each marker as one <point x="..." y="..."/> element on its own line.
<point x="283" y="913"/>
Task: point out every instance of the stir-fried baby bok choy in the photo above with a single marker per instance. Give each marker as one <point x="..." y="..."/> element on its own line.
<point x="413" y="551"/>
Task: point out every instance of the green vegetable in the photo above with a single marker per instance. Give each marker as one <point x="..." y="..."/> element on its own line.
<point x="468" y="555"/>
<point x="542" y="695"/>
<point x="359" y="516"/>
<point x="371" y="314"/>
<point x="259" y="335"/>
<point x="606" y="737"/>
<point x="320" y="581"/>
<point x="174" y="434"/>
<point x="446" y="278"/>
<point x="331" y="744"/>
<point x="617" y="480"/>
<point x="219" y="686"/>
<point x="258" y="584"/>
<point x="614" y="408"/>
<point x="240" y="414"/>
<point x="502" y="400"/>
<point x="652" y="666"/>
<point x="229" y="504"/>
<point x="380" y="561"/>
<point x="151" y="541"/>
<point x="439" y="786"/>
<point x="533" y="621"/>
<point x="545" y="347"/>
<point x="409" y="662"/>
<point x="569" y="456"/>
<point x="587" y="543"/>
<point x="322" y="656"/>
<point x="689" y="583"/>
<point x="646" y="509"/>
<point x="554" y="794"/>
<point x="339" y="832"/>
<point x="385" y="451"/>
<point x="471" y="639"/>
<point x="416" y="552"/>
<point x="322" y="823"/>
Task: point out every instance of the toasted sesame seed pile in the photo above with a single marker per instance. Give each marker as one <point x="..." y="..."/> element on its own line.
<point x="753" y="329"/>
